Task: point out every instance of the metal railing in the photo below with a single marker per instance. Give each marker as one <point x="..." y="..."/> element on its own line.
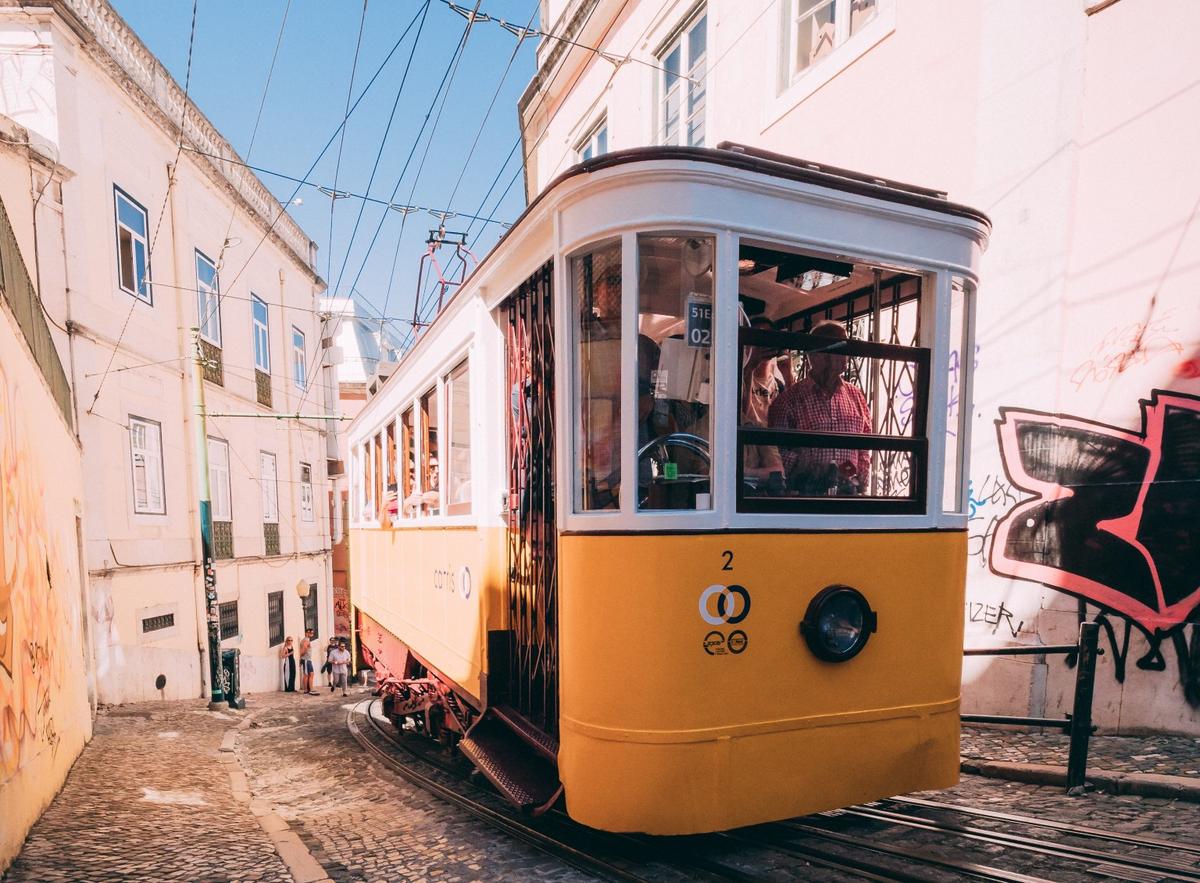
<point x="23" y="300"/>
<point x="1078" y="723"/>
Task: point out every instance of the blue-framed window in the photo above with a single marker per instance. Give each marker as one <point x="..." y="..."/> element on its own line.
<point x="133" y="249"/>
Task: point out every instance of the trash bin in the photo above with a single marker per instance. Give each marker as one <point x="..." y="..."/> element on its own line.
<point x="231" y="677"/>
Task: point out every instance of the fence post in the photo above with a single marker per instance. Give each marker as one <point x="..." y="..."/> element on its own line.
<point x="1081" y="712"/>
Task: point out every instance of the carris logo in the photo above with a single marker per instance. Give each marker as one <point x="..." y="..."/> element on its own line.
<point x="720" y="605"/>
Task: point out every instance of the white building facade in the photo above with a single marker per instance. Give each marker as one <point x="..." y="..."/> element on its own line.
<point x="1074" y="125"/>
<point x="142" y="233"/>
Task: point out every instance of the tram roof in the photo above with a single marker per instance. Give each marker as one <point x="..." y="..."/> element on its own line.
<point x="745" y="158"/>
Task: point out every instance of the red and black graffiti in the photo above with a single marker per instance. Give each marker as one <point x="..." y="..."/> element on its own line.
<point x="1114" y="520"/>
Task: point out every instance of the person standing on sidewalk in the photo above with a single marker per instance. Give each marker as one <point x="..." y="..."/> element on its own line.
<point x="340" y="661"/>
<point x="306" y="663"/>
<point x="287" y="653"/>
<point x="327" y="666"/>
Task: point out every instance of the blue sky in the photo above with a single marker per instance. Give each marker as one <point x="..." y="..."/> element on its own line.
<point x="234" y="43"/>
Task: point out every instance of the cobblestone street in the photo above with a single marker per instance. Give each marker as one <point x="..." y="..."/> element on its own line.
<point x="279" y="792"/>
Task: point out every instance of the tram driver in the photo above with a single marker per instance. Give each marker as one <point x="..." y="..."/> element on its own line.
<point x="824" y="402"/>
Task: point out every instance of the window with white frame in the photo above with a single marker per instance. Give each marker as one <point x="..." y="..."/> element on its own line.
<point x="306" y="492"/>
<point x="595" y="143"/>
<point x="682" y="86"/>
<point x="133" y="250"/>
<point x="458" y="440"/>
<point x="208" y="299"/>
<point x="218" y="480"/>
<point x="145" y="449"/>
<point x="814" y="28"/>
<point x="262" y="336"/>
<point x="270" y="487"/>
<point x="299" y="367"/>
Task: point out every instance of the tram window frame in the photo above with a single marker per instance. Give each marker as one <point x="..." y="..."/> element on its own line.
<point x="408" y="475"/>
<point x="427" y="406"/>
<point x="915" y="444"/>
<point x="457" y="469"/>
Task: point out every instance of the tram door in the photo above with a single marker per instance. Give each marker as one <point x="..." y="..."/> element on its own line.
<point x="532" y="537"/>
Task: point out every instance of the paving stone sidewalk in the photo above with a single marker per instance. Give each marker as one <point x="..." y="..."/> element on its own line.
<point x="149" y="799"/>
<point x="1156" y="755"/>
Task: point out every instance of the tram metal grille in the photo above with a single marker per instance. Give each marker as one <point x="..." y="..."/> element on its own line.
<point x="532" y="535"/>
<point x="889" y="311"/>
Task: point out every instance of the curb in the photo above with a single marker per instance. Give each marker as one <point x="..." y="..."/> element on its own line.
<point x="1138" y="784"/>
<point x="301" y="863"/>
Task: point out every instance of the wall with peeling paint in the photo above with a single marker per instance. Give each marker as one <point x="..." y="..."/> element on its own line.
<point x="45" y="716"/>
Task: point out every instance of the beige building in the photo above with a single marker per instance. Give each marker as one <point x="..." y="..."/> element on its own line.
<point x="142" y="232"/>
<point x="1074" y="124"/>
<point x="47" y="687"/>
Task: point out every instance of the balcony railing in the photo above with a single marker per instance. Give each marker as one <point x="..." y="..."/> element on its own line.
<point x="222" y="539"/>
<point x="26" y="306"/>
<point x="262" y="384"/>
<point x="214" y="371"/>
<point x="271" y="537"/>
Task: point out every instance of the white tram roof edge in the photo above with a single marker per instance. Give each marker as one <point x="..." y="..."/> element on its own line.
<point x="494" y="279"/>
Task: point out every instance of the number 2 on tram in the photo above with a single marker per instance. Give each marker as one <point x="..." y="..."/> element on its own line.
<point x="664" y="517"/>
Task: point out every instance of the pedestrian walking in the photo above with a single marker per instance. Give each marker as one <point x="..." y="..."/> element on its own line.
<point x="340" y="661"/>
<point x="306" y="663"/>
<point x="327" y="667"/>
<point x="287" y="653"/>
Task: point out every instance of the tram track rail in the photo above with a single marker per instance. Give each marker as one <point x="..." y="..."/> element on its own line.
<point x="628" y="857"/>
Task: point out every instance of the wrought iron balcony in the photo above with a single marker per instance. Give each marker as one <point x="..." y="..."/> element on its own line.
<point x="222" y="539"/>
<point x="271" y="537"/>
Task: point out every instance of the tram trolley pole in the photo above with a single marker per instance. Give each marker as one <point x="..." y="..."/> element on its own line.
<point x="1078" y="723"/>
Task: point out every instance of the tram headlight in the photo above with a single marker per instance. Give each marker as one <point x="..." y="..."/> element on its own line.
<point x="838" y="623"/>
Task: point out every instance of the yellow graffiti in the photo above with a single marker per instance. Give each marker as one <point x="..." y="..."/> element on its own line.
<point x="33" y="625"/>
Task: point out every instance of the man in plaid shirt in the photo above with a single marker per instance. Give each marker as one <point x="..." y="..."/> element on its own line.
<point x="823" y="402"/>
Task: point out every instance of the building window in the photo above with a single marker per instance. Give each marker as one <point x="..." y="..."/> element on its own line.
<point x="299" y="366"/>
<point x="133" y="250"/>
<point x="682" y="87"/>
<point x="310" y="610"/>
<point x="145" y="449"/>
<point x="458" y="439"/>
<point x="228" y="613"/>
<point x="595" y="143"/>
<point x="306" y="492"/>
<point x="218" y="480"/>
<point x="814" y="28"/>
<point x="270" y="487"/>
<point x="596" y="288"/>
<point x="158" y="623"/>
<point x="274" y="618"/>
<point x="208" y="299"/>
<point x="262" y="337"/>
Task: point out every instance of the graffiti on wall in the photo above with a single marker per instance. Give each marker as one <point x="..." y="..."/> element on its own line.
<point x="33" y="625"/>
<point x="1113" y="519"/>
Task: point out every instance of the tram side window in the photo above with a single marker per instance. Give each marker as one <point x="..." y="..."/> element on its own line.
<point x="377" y="459"/>
<point x="674" y="352"/>
<point x="410" y="502"/>
<point x="368" y="484"/>
<point x="833" y="387"/>
<point x="430" y="484"/>
<point x="389" y="506"/>
<point x="458" y="438"/>
<point x="596" y="286"/>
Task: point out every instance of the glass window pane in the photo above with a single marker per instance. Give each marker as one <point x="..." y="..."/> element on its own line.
<point x="814" y="32"/>
<point x="408" y="465"/>
<point x="131" y="216"/>
<point x="430" y="471"/>
<point x="458" y="408"/>
<point x="697" y="40"/>
<point x="675" y="311"/>
<point x="861" y="12"/>
<point x="956" y="399"/>
<point x="602" y="141"/>
<point x="125" y="259"/>
<point x="139" y="265"/>
<point x="596" y="283"/>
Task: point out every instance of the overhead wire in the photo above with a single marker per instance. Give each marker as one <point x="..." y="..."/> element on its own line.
<point x="445" y="84"/>
<point x="333" y="192"/>
<point x="135" y="300"/>
<point x="320" y="155"/>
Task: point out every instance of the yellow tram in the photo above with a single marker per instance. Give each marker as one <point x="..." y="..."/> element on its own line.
<point x="664" y="516"/>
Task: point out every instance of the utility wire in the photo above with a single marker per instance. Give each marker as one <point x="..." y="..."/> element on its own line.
<point x="379" y="153"/>
<point x="333" y="192"/>
<point x="320" y="155"/>
<point x="446" y="82"/>
<point x="522" y="32"/>
<point x="134" y="301"/>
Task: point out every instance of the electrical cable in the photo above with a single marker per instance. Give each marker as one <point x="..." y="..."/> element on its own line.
<point x="187" y="81"/>
<point x="333" y="191"/>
